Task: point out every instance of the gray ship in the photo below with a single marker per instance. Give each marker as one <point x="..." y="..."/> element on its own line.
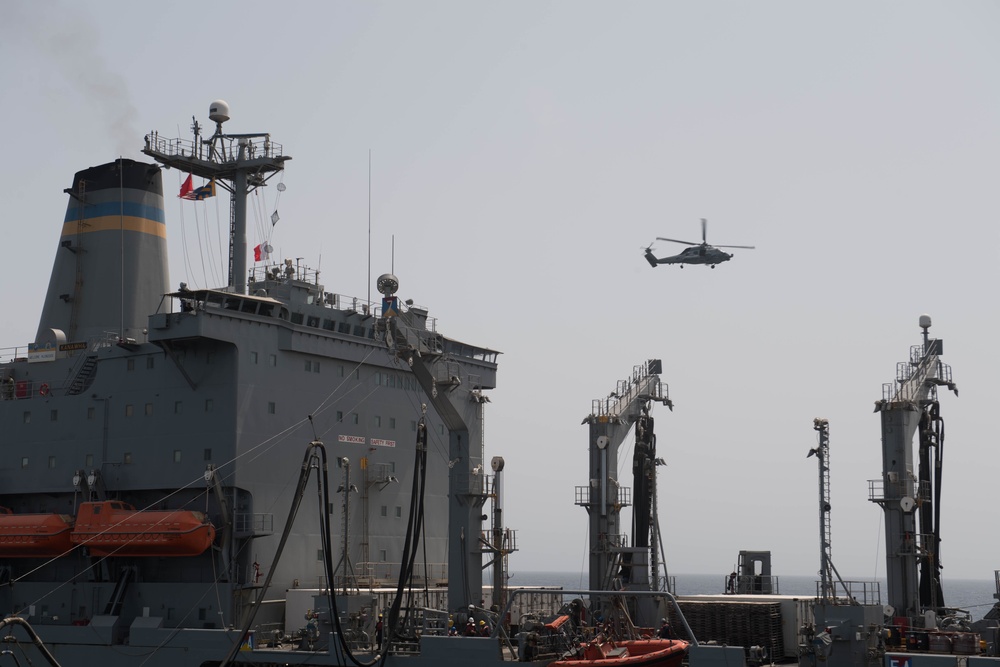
<point x="260" y="473"/>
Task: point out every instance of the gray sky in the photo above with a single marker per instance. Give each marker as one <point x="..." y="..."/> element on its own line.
<point x="524" y="153"/>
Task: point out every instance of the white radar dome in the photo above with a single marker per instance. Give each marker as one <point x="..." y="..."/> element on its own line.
<point x="218" y="111"/>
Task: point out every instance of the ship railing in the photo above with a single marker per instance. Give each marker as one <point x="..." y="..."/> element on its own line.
<point x="903" y="390"/>
<point x="643" y="383"/>
<point x="757" y="584"/>
<point x="916" y="544"/>
<point x="665" y="583"/>
<point x="508" y="540"/>
<point x="586" y="496"/>
<point x="20" y="352"/>
<point x="385" y="573"/>
<point x="224" y="148"/>
<point x="607" y="542"/>
<point x="473" y="485"/>
<point x="20" y="390"/>
<point x="892" y="491"/>
<point x="851" y="592"/>
<point x="257" y="524"/>
<point x="379" y="473"/>
<point x="9" y="354"/>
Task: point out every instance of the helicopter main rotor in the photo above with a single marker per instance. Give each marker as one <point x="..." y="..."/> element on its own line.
<point x="704" y="239"/>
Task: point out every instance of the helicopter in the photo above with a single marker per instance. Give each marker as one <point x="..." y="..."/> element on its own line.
<point x="698" y="253"/>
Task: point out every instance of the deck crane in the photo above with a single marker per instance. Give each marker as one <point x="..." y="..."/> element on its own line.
<point x="454" y="377"/>
<point x="614" y="563"/>
<point x="912" y="502"/>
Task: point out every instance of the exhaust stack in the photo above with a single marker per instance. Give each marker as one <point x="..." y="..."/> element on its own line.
<point x="110" y="270"/>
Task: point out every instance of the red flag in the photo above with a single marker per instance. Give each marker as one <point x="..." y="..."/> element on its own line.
<point x="186" y="187"/>
<point x="256" y="253"/>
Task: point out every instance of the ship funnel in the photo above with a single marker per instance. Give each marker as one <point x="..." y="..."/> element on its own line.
<point x="110" y="270"/>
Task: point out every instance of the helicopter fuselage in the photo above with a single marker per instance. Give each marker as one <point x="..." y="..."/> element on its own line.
<point x="694" y="255"/>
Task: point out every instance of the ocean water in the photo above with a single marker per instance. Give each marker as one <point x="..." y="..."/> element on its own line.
<point x="972" y="595"/>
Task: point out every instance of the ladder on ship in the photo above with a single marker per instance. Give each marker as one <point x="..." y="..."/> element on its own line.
<point x="85" y="376"/>
<point x="114" y="606"/>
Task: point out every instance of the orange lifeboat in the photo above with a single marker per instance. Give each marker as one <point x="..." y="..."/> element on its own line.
<point x="34" y="535"/>
<point x="631" y="653"/>
<point x="114" y="528"/>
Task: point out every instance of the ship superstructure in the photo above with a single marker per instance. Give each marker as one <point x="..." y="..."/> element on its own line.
<point x="202" y="401"/>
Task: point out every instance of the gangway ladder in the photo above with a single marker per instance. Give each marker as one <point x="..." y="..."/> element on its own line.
<point x="84" y="376"/>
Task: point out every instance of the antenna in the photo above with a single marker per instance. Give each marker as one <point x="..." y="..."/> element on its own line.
<point x="392" y="262"/>
<point x="369" y="226"/>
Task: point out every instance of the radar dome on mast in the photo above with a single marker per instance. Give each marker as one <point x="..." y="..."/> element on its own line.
<point x="218" y="111"/>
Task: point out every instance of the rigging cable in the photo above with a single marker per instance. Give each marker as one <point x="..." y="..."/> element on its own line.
<point x="308" y="462"/>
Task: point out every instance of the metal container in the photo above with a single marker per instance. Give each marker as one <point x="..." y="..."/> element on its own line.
<point x="939" y="643"/>
<point x="965" y="643"/>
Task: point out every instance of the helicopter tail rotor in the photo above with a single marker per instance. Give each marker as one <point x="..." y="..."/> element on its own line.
<point x="650" y="257"/>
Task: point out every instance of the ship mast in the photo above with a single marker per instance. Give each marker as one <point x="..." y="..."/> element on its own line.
<point x="908" y="404"/>
<point x="614" y="564"/>
<point x="239" y="163"/>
